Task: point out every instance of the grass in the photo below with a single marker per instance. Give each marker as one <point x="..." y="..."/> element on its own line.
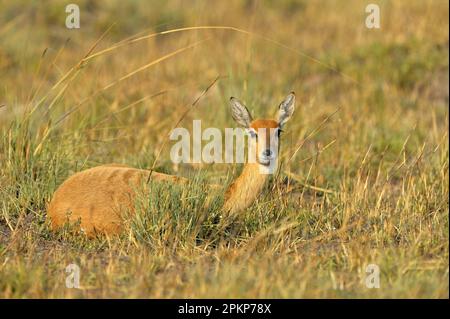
<point x="365" y="161"/>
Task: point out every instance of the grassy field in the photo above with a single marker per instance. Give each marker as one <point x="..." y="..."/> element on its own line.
<point x="364" y="177"/>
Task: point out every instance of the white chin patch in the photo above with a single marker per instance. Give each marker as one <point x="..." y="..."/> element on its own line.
<point x="267" y="166"/>
<point x="265" y="160"/>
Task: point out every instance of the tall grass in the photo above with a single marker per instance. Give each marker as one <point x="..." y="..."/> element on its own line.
<point x="364" y="173"/>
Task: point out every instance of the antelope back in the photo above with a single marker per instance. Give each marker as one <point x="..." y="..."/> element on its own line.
<point x="98" y="197"/>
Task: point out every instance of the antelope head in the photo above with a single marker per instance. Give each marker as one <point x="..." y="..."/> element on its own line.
<point x="264" y="134"/>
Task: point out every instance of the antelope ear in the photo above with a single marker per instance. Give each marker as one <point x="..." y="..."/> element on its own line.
<point x="286" y="109"/>
<point x="240" y="113"/>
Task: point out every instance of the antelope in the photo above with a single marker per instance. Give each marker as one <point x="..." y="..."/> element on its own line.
<point x="97" y="197"/>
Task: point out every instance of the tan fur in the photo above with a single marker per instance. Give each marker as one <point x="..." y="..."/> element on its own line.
<point x="247" y="187"/>
<point x="263" y="124"/>
<point x="98" y="197"/>
<point x="256" y="124"/>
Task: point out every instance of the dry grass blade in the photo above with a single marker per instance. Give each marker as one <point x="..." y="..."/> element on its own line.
<point x="312" y="133"/>
<point x="68" y="74"/>
<point x="365" y="184"/>
<point x="179" y="121"/>
<point x="315" y="188"/>
<point x="128" y="75"/>
<point x="265" y="38"/>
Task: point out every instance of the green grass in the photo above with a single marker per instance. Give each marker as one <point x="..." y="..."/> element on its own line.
<point x="371" y="175"/>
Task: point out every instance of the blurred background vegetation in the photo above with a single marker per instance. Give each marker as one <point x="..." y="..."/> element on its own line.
<point x="371" y="126"/>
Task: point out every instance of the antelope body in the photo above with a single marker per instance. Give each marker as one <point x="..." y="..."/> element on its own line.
<point x="98" y="197"/>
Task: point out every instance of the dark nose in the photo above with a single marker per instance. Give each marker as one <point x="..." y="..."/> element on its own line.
<point x="267" y="153"/>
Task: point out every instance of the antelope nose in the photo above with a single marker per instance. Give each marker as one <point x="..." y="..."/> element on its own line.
<point x="267" y="153"/>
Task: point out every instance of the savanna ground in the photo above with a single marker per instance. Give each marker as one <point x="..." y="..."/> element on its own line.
<point x="365" y="161"/>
